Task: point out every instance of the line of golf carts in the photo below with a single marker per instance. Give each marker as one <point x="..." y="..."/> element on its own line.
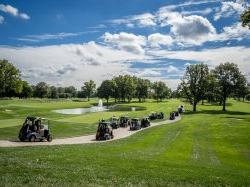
<point x="37" y="129"/>
<point x="105" y="128"/>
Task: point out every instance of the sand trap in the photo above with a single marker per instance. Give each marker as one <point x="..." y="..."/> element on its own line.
<point x="118" y="134"/>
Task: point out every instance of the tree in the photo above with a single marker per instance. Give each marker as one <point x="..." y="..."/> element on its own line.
<point x="27" y="90"/>
<point x="242" y="88"/>
<point x="124" y="87"/>
<point x="10" y="81"/>
<point x="194" y="83"/>
<point x="228" y="77"/>
<point x="54" y="92"/>
<point x="41" y="90"/>
<point x="89" y="88"/>
<point x="245" y="18"/>
<point x="106" y="90"/>
<point x="142" y="89"/>
<point x="161" y="91"/>
<point x="71" y="91"/>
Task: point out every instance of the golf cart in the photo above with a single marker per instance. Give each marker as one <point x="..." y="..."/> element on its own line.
<point x="181" y="109"/>
<point x="114" y="122"/>
<point x="172" y="116"/>
<point x="104" y="131"/>
<point x="155" y="115"/>
<point x="176" y="114"/>
<point x="35" y="128"/>
<point x="152" y="116"/>
<point x="124" y="121"/>
<point x="160" y="115"/>
<point x="145" y="122"/>
<point x="135" y="124"/>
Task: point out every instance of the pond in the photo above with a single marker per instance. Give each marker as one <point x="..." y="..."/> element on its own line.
<point x="81" y="110"/>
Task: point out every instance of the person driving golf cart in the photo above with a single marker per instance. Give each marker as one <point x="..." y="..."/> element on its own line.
<point x="124" y="121"/>
<point x="172" y="116"/>
<point x="114" y="122"/>
<point x="135" y="124"/>
<point x="181" y="109"/>
<point x="145" y="122"/>
<point x="35" y="128"/>
<point x="104" y="131"/>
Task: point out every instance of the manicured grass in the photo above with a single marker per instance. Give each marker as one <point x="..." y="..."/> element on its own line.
<point x="13" y="113"/>
<point x="207" y="148"/>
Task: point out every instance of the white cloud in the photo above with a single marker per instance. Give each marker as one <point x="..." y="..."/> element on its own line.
<point x="235" y="31"/>
<point x="70" y="64"/>
<point x="1" y="19"/>
<point x="58" y="36"/>
<point x="157" y="39"/>
<point x="193" y="29"/>
<point x="202" y="12"/>
<point x="141" y="20"/>
<point x="13" y="11"/>
<point x="213" y="57"/>
<point x="228" y="9"/>
<point x="126" y="41"/>
<point x="172" y="69"/>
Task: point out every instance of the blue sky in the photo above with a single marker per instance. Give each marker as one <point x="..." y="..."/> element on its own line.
<point x="68" y="42"/>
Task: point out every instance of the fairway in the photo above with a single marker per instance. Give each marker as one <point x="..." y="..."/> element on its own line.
<point x="206" y="148"/>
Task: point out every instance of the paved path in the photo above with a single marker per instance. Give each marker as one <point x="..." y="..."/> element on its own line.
<point x="118" y="134"/>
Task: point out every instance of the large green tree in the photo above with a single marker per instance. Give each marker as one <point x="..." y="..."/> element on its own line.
<point x="161" y="91"/>
<point x="228" y="78"/>
<point x="142" y="89"/>
<point x="41" y="90"/>
<point x="106" y="90"/>
<point x="27" y="90"/>
<point x="89" y="88"/>
<point x="194" y="83"/>
<point x="10" y="81"/>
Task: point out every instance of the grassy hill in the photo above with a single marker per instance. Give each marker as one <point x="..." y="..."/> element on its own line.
<point x="206" y="148"/>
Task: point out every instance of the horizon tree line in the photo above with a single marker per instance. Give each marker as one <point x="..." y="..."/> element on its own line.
<point x="198" y="84"/>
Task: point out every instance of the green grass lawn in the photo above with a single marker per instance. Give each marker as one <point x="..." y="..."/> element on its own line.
<point x="207" y="148"/>
<point x="13" y="113"/>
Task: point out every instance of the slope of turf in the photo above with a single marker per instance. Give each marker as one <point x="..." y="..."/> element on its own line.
<point x="209" y="148"/>
<point x="13" y="113"/>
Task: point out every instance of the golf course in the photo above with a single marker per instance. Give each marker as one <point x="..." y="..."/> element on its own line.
<point x="208" y="147"/>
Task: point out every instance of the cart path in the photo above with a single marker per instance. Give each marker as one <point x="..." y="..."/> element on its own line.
<point x="118" y="134"/>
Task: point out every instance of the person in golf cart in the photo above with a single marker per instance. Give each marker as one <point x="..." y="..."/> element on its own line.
<point x="135" y="124"/>
<point x="124" y="121"/>
<point x="104" y="131"/>
<point x="114" y="122"/>
<point x="145" y="122"/>
<point x="35" y="128"/>
<point x="181" y="109"/>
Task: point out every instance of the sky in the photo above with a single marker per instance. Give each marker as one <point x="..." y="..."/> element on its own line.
<point x="65" y="42"/>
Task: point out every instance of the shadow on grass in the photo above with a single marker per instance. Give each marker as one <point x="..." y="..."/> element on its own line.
<point x="217" y="112"/>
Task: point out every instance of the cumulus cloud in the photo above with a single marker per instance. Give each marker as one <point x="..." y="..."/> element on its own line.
<point x="70" y="63"/>
<point x="13" y="11"/>
<point x="229" y="8"/>
<point x="157" y="40"/>
<point x="1" y="19"/>
<point x="141" y="20"/>
<point x="126" y="41"/>
<point x="172" y="69"/>
<point x="235" y="31"/>
<point x="187" y="29"/>
<point x="213" y="57"/>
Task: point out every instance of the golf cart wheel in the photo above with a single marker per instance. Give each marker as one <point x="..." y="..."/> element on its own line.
<point x="32" y="138"/>
<point x="49" y="139"/>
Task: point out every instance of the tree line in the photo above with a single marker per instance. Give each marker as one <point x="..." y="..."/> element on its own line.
<point x="121" y="88"/>
<point x="197" y="85"/>
<point x="225" y="80"/>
